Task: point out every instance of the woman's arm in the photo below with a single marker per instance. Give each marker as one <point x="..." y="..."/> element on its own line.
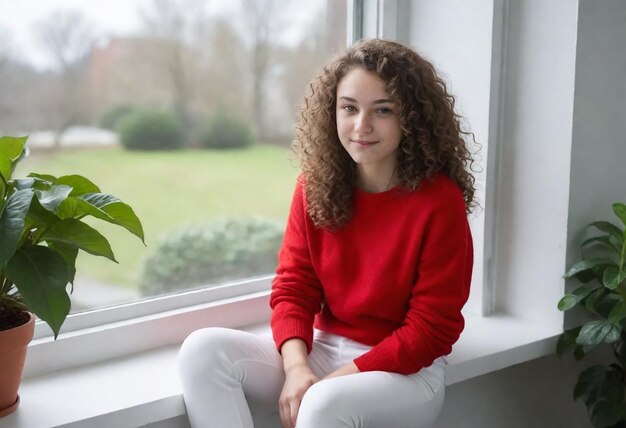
<point x="433" y="321"/>
<point x="298" y="379"/>
<point x="348" y="369"/>
<point x="296" y="290"/>
<point x="296" y="298"/>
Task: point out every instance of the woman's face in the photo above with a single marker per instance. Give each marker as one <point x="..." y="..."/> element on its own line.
<point x="368" y="122"/>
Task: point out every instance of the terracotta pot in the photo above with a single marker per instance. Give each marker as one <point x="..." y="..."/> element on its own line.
<point x="13" y="344"/>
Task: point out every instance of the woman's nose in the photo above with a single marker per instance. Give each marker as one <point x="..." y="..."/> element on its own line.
<point x="363" y="124"/>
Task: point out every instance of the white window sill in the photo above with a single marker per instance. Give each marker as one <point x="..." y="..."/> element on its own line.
<point x="144" y="388"/>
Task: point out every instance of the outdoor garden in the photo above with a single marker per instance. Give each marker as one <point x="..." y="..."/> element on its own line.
<point x="187" y="117"/>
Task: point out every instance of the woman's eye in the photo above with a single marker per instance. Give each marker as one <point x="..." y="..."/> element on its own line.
<point x="383" y="110"/>
<point x="349" y="108"/>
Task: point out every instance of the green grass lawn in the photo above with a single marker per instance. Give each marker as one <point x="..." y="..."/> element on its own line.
<point x="171" y="189"/>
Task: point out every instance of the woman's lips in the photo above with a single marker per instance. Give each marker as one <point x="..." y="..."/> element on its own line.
<point x="364" y="143"/>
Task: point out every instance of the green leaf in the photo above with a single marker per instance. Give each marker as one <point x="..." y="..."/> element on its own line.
<point x="571" y="299"/>
<point x="30" y="183"/>
<point x="44" y="177"/>
<point x="579" y="353"/>
<point x="589" y="380"/>
<point x="41" y="276"/>
<point x="620" y="210"/>
<point x="606" y="414"/>
<point x="604" y="241"/>
<point x="69" y="254"/>
<point x="610" y="228"/>
<point x="615" y="394"/>
<point x="52" y="198"/>
<point x="567" y="341"/>
<point x="85" y="208"/>
<point x="586" y="276"/>
<point x="99" y="200"/>
<point x="12" y="223"/>
<point x="120" y="213"/>
<point x="613" y="277"/>
<point x="123" y="215"/>
<point x="617" y="313"/>
<point x="12" y="147"/>
<point x="5" y="167"/>
<point x="79" y="184"/>
<point x="606" y="305"/>
<point x="38" y="216"/>
<point x="23" y="183"/>
<point x="593" y="298"/>
<point x="595" y="332"/>
<point x="74" y="207"/>
<point x="68" y="208"/>
<point x="586" y="265"/>
<point x="76" y="233"/>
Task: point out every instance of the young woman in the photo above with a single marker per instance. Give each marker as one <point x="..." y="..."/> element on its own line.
<point x="375" y="265"/>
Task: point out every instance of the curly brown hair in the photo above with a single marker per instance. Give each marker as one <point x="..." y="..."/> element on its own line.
<point x="432" y="137"/>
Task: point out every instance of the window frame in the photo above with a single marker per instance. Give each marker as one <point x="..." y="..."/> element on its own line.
<point x="119" y="339"/>
<point x="94" y="318"/>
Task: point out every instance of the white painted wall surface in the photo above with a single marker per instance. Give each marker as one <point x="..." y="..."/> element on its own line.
<point x="599" y="137"/>
<point x="538" y="393"/>
<point x="534" y="174"/>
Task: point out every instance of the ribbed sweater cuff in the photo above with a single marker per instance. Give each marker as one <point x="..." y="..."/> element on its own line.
<point x="290" y="328"/>
<point x="372" y="361"/>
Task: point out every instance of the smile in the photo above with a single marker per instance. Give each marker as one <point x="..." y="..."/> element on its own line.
<point x="364" y="143"/>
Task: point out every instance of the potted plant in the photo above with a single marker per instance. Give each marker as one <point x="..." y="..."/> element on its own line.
<point x="41" y="232"/>
<point x="602" y="296"/>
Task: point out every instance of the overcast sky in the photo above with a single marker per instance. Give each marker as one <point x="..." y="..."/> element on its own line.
<point x="109" y="17"/>
<point x="18" y="18"/>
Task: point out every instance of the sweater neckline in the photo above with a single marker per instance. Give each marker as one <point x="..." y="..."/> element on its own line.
<point x="361" y="196"/>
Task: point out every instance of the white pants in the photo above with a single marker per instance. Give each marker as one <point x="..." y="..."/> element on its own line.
<point x="231" y="378"/>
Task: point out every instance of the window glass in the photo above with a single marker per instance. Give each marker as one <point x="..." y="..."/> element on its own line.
<point x="184" y="109"/>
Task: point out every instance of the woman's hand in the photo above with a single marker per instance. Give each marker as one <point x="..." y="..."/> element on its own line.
<point x="348" y="369"/>
<point x="298" y="379"/>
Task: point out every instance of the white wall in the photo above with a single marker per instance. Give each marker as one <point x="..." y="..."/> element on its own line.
<point x="538" y="393"/>
<point x="599" y="138"/>
<point x="534" y="169"/>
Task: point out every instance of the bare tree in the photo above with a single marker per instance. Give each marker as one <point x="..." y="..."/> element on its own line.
<point x="296" y="61"/>
<point x="4" y="71"/>
<point x="175" y="25"/>
<point x="68" y="39"/>
<point x="225" y="83"/>
<point x="325" y="36"/>
<point x="262" y="18"/>
<point x="19" y="84"/>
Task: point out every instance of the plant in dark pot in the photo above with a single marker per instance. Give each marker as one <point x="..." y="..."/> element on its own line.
<point x="601" y="295"/>
<point x="41" y="232"/>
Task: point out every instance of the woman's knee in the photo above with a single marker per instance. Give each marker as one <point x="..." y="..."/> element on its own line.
<point x="331" y="403"/>
<point x="323" y="405"/>
<point x="206" y="349"/>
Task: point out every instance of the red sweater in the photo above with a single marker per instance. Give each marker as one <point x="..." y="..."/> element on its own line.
<point x="394" y="277"/>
